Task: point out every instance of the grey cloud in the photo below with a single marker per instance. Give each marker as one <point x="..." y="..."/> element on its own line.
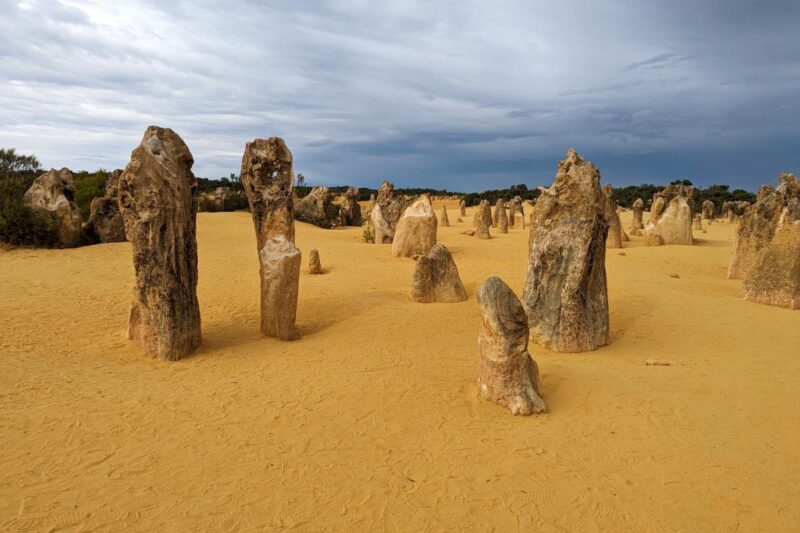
<point x="460" y="94"/>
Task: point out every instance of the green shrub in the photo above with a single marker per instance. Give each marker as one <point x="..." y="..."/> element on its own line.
<point x="368" y="235"/>
<point x="88" y="186"/>
<point x="21" y="225"/>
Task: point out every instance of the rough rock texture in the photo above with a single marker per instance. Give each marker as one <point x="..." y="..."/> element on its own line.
<point x="54" y="192"/>
<point x="774" y="278"/>
<point x="482" y="220"/>
<point x="314" y="264"/>
<point x="268" y="183"/>
<point x="416" y="230"/>
<point x="565" y="292"/>
<point x="317" y="208"/>
<point x="674" y="226"/>
<point x="280" y="272"/>
<point x="708" y="210"/>
<point x="502" y="218"/>
<point x="105" y="221"/>
<point x="614" y="239"/>
<point x="727" y="209"/>
<point x="651" y="237"/>
<point x="657" y="209"/>
<point x="443" y="220"/>
<point x="386" y="213"/>
<point x="638" y="209"/>
<point x="436" y="278"/>
<point x="758" y="225"/>
<point x="157" y="199"/>
<point x="462" y="206"/>
<point x="519" y="220"/>
<point x="514" y="207"/>
<point x="672" y="190"/>
<point x="349" y="210"/>
<point x="508" y="374"/>
<point x="697" y="223"/>
<point x="496" y="213"/>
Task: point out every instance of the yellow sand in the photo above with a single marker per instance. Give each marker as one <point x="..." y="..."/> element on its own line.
<point x="372" y="421"/>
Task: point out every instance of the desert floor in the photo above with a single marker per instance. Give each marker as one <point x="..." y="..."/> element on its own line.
<point x="372" y="420"/>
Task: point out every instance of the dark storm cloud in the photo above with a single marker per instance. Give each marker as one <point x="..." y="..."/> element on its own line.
<point x="464" y="95"/>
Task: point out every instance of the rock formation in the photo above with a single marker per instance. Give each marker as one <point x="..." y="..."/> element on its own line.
<point x="727" y="210"/>
<point x="314" y="264"/>
<point x="656" y="209"/>
<point x="519" y="220"/>
<point x="496" y="213"/>
<point x="514" y="207"/>
<point x="774" y="278"/>
<point x="54" y="192"/>
<point x="565" y="292"/>
<point x="280" y="274"/>
<point x="349" y="210"/>
<point x="758" y="225"/>
<point x="462" y="206"/>
<point x="157" y="199"/>
<point x="502" y="218"/>
<point x="386" y="213"/>
<point x="105" y="221"/>
<point x="614" y="239"/>
<point x="708" y="210"/>
<point x="443" y="220"/>
<point x="317" y="208"/>
<point x="416" y="231"/>
<point x="674" y="226"/>
<point x="482" y="220"/>
<point x="268" y="183"/>
<point x="697" y="223"/>
<point x="638" y="209"/>
<point x="508" y="374"/>
<point x="436" y="278"/>
<point x="672" y="190"/>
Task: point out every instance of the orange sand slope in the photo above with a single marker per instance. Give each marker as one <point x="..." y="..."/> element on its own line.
<point x="372" y="420"/>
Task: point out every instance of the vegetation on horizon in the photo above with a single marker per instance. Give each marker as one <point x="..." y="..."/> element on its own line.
<point x="22" y="226"/>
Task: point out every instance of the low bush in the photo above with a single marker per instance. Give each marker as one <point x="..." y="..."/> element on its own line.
<point x="21" y="225"/>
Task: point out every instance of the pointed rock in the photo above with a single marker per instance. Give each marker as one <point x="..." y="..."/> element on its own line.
<point x="565" y="292"/>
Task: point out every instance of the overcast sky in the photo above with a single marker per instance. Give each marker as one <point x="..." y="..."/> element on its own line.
<point x="459" y="94"/>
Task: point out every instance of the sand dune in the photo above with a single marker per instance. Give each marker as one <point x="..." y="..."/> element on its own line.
<point x="372" y="420"/>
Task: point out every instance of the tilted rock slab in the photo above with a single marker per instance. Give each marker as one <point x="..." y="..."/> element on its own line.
<point x="157" y="199"/>
<point x="758" y="225"/>
<point x="268" y="183"/>
<point x="482" y="220"/>
<point x="565" y="292"/>
<point x="54" y="192"/>
<point x="436" y="278"/>
<point x="416" y="231"/>
<point x="774" y="278"/>
<point x="508" y="374"/>
<point x="317" y="208"/>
